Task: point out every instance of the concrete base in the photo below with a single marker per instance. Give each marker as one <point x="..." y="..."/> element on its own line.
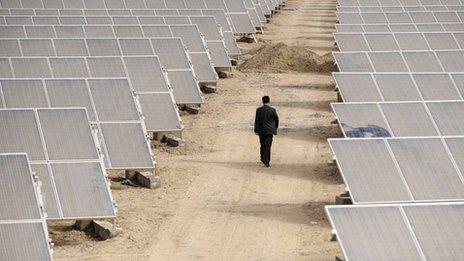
<point x="247" y="39"/>
<point x="225" y="74"/>
<point x="209" y="89"/>
<point x="192" y="109"/>
<point x="83" y="225"/>
<point x="105" y="230"/>
<point x="343" y="199"/>
<point x="98" y="228"/>
<point x="332" y="163"/>
<point x="143" y="179"/>
<point x="172" y="141"/>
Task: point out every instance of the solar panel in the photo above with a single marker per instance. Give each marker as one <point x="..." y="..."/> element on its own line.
<point x="397" y="87"/>
<point x="242" y="23"/>
<point x="367" y="233"/>
<point x="436" y="87"/>
<point x="369" y="171"/>
<point x="440" y="235"/>
<point x="444" y="115"/>
<point x="23" y="94"/>
<point x="405" y="231"/>
<point x="361" y="120"/>
<point x="409" y="119"/>
<point x="157" y="117"/>
<point x="19" y="199"/>
<point x="39" y="129"/>
<point x="357" y="87"/>
<point x="412" y="41"/>
<point x="353" y="62"/>
<point x="381" y="42"/>
<point x="388" y="62"/>
<point x="427" y="169"/>
<point x="201" y="64"/>
<point x="219" y="54"/>
<point x="351" y="42"/>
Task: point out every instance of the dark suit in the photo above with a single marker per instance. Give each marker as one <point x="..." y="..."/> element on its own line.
<point x="266" y="125"/>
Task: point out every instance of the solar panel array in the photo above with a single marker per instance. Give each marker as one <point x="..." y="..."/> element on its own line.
<point x="399" y="28"/>
<point x="215" y="40"/>
<point x="83" y="83"/>
<point x="402" y="159"/>
<point x="399" y="41"/>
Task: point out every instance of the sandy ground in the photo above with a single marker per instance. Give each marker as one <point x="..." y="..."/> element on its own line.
<point x="217" y="202"/>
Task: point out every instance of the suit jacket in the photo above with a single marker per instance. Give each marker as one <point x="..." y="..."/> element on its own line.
<point x="266" y="121"/>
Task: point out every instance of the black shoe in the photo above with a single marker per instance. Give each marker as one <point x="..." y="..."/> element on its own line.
<point x="267" y="165"/>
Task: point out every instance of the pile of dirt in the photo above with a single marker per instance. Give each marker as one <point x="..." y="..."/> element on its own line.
<point x="281" y="58"/>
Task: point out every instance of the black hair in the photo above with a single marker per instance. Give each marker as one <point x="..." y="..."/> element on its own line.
<point x="266" y="99"/>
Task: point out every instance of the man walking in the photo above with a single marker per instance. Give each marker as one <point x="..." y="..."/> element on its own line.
<point x="266" y="125"/>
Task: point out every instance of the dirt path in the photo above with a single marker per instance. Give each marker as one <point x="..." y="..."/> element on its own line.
<point x="217" y="202"/>
<point x="237" y="210"/>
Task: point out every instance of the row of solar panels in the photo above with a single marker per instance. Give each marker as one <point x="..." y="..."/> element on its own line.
<point x="255" y="10"/>
<point x="97" y="82"/>
<point x="400" y="78"/>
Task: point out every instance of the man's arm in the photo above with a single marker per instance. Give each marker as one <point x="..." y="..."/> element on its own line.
<point x="256" y="122"/>
<point x="276" y="119"/>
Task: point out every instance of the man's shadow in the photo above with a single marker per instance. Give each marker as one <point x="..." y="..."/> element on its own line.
<point x="368" y="131"/>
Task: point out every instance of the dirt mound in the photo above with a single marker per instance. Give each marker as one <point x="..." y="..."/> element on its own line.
<point x="280" y="58"/>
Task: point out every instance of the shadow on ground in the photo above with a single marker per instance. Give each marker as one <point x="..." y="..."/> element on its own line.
<point x="311" y="213"/>
<point x="320" y="172"/>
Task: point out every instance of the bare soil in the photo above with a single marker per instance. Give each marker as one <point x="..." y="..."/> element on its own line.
<point x="217" y="202"/>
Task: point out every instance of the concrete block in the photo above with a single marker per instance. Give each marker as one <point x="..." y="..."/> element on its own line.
<point x="83" y="225"/>
<point x="209" y="89"/>
<point x="130" y="174"/>
<point x="148" y="180"/>
<point x="172" y="141"/>
<point x="343" y="199"/>
<point x="105" y="229"/>
<point x="247" y="39"/>
<point x="225" y="74"/>
<point x="332" y="163"/>
<point x="192" y="109"/>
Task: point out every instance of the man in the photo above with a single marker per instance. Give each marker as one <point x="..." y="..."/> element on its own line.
<point x="266" y="125"/>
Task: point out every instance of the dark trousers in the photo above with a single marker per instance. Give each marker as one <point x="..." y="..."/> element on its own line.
<point x="266" y="143"/>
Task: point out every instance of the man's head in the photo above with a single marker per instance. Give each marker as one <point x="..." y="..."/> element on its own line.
<point x="266" y="100"/>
